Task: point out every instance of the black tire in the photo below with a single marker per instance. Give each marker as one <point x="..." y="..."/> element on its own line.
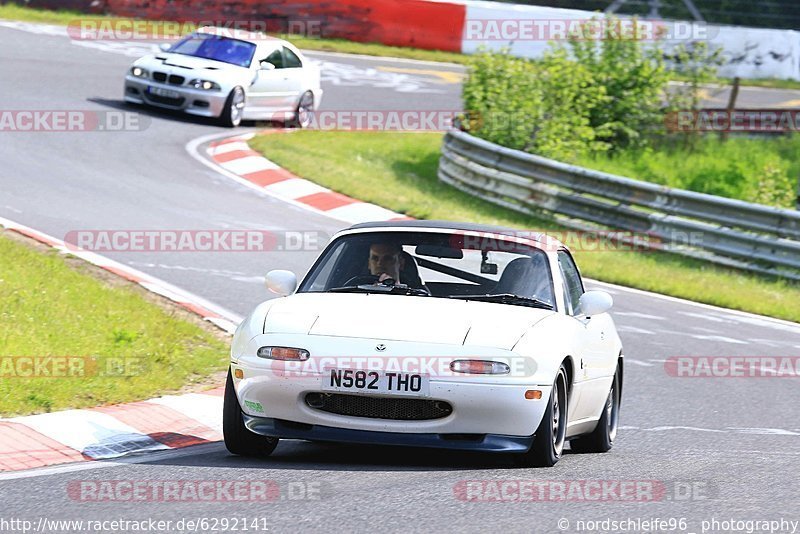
<point x="603" y="436"/>
<point x="304" y="111"/>
<point x="238" y="439"/>
<point x="548" y="443"/>
<point x="231" y="116"/>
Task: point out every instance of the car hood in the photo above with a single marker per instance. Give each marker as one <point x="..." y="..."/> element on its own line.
<point x="187" y="64"/>
<point x="402" y="318"/>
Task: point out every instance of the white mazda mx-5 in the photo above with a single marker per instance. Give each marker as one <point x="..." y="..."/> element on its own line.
<point x="231" y="75"/>
<point x="430" y="334"/>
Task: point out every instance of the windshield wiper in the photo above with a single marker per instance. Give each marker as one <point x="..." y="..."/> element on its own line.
<point x="507" y="298"/>
<point x="400" y="289"/>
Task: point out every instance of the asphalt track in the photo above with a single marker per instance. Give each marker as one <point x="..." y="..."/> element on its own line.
<point x="735" y="442"/>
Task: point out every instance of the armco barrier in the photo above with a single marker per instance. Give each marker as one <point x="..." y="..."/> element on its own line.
<point x="730" y="232"/>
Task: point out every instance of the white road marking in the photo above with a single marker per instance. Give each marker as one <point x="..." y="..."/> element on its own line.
<point x="638" y="362"/>
<point x="706" y="316"/>
<point x="723" y="339"/>
<point x="295" y="188"/>
<point x="639" y="315"/>
<point x="634" y="330"/>
<point x="698" y="429"/>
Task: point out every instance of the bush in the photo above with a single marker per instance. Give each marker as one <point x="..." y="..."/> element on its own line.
<point x="542" y="107"/>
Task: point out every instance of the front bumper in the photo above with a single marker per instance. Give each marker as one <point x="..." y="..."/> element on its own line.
<point x="466" y="442"/>
<point x="193" y="101"/>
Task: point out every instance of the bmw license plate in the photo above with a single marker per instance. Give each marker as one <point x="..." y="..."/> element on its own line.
<point x="376" y="382"/>
<point x="166" y="93"/>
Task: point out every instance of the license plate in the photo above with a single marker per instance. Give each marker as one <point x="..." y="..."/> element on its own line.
<point x="376" y="382"/>
<point x="166" y="93"/>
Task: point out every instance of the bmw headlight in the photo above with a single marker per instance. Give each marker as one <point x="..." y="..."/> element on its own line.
<point x="205" y="85"/>
<point x="139" y="72"/>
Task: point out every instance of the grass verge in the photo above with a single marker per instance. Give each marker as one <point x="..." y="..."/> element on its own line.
<point x="123" y="343"/>
<point x="761" y="170"/>
<point x="17" y="12"/>
<point x="398" y="171"/>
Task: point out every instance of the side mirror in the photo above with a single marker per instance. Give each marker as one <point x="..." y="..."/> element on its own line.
<point x="266" y="65"/>
<point x="281" y="282"/>
<point x="164" y="47"/>
<point x="594" y="303"/>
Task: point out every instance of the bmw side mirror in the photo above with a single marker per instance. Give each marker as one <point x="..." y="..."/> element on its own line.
<point x="266" y="65"/>
<point x="164" y="47"/>
<point x="594" y="303"/>
<point x="281" y="282"/>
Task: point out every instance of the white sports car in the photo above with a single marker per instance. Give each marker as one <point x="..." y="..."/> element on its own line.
<point x="232" y="75"/>
<point x="431" y="334"/>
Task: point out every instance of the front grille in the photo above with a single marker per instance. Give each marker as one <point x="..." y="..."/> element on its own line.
<point x="173" y="79"/>
<point x="166" y="101"/>
<point x="401" y="409"/>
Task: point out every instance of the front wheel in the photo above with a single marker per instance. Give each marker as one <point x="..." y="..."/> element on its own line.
<point x="548" y="443"/>
<point x="238" y="438"/>
<point x="234" y="108"/>
<point x="602" y="438"/>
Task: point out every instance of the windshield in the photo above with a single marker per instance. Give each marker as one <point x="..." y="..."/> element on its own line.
<point x="441" y="265"/>
<point x="215" y="47"/>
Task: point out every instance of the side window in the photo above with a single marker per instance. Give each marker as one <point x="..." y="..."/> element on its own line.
<point x="290" y="59"/>
<point x="573" y="286"/>
<point x="276" y="58"/>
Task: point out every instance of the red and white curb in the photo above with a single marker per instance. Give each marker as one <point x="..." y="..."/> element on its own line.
<point x="168" y="422"/>
<point x="236" y="157"/>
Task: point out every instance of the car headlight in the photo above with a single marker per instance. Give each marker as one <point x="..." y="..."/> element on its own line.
<point x="479" y="367"/>
<point x="205" y="85"/>
<point x="283" y="353"/>
<point x="139" y="72"/>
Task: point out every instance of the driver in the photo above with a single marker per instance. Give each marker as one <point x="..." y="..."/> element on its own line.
<point x="386" y="261"/>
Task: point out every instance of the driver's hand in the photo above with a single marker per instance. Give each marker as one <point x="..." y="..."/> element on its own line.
<point x="383" y="277"/>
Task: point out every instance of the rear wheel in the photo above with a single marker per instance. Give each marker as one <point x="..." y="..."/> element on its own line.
<point x="602" y="438"/>
<point x="238" y="438"/>
<point x="234" y="107"/>
<point x="304" y="111"/>
<point x="548" y="443"/>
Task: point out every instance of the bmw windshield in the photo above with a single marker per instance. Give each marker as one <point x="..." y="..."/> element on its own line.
<point x="216" y="48"/>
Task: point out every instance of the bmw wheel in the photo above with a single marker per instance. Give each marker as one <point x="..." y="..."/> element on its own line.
<point x="234" y="107"/>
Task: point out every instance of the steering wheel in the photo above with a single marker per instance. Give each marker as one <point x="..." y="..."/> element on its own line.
<point x="362" y="279"/>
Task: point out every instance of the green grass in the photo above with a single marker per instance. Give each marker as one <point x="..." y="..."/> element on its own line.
<point x="763" y="170"/>
<point x="398" y="171"/>
<point x="53" y="306"/>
